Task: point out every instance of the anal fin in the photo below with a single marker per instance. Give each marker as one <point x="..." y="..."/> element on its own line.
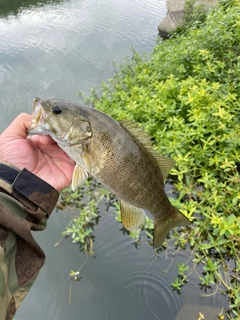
<point x="132" y="217"/>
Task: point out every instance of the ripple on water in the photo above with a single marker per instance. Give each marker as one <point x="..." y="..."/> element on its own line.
<point x="137" y="286"/>
<point x="76" y="40"/>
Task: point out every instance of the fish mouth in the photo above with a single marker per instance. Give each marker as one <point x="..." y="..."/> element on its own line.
<point x="37" y="111"/>
<point x="38" y="116"/>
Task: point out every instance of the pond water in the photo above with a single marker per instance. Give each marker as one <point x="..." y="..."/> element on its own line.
<point x="55" y="49"/>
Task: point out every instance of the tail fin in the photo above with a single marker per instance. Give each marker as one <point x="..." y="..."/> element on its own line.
<point x="161" y="228"/>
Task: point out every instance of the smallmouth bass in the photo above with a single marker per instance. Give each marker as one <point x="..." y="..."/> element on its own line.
<point x="118" y="155"/>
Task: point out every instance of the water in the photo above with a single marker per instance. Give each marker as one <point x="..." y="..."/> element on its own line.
<point x="62" y="47"/>
<point x="55" y="49"/>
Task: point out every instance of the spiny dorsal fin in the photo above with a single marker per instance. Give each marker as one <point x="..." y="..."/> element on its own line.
<point x="165" y="164"/>
<point x="137" y="131"/>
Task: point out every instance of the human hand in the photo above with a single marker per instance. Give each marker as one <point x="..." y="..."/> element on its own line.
<point x="38" y="154"/>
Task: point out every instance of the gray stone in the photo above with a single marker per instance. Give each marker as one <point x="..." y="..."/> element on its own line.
<point x="175" y="14"/>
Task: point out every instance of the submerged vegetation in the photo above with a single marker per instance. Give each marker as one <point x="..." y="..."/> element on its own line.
<point x="186" y="95"/>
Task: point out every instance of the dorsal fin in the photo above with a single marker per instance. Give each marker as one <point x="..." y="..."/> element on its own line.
<point x="137" y="131"/>
<point x="165" y="164"/>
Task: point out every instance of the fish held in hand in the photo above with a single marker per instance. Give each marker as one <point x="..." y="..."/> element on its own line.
<point x="118" y="155"/>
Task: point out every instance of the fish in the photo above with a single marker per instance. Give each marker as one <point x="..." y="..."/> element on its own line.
<point x="119" y="155"/>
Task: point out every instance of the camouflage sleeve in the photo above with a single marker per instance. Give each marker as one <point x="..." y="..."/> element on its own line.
<point x="26" y="202"/>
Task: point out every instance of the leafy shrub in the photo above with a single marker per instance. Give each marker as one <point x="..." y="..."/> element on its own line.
<point x="186" y="94"/>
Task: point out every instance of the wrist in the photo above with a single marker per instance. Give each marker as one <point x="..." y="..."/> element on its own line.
<point x="30" y="190"/>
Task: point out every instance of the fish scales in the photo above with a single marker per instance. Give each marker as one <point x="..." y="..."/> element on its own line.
<point x="115" y="156"/>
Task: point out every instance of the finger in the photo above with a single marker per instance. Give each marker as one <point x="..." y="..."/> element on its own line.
<point x="43" y="140"/>
<point x="19" y="126"/>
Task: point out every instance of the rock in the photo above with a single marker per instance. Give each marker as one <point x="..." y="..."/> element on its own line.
<point x="175" y="14"/>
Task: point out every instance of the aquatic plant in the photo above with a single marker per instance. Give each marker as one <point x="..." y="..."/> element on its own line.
<point x="186" y="95"/>
<point x="84" y="203"/>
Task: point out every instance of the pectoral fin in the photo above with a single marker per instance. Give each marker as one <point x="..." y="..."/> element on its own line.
<point x="86" y="160"/>
<point x="132" y="217"/>
<point x="79" y="177"/>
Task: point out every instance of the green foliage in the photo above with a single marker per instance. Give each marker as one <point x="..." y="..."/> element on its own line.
<point x="194" y="16"/>
<point x="16" y="6"/>
<point x="186" y="94"/>
<point x="86" y="200"/>
<point x="182" y="277"/>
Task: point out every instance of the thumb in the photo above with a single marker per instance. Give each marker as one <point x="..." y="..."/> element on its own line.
<point x="18" y="127"/>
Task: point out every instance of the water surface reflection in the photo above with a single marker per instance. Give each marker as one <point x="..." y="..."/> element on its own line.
<point x="57" y="49"/>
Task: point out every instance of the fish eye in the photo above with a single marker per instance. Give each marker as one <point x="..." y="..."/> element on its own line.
<point x="56" y="110"/>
